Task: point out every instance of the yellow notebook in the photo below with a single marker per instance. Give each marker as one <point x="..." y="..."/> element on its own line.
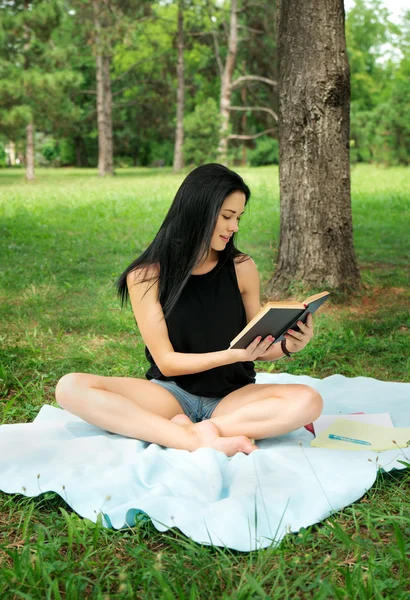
<point x="380" y="438"/>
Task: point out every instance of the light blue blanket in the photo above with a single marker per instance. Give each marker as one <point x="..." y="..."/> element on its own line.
<point x="244" y="503"/>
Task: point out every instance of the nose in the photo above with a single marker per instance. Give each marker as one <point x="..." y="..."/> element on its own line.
<point x="234" y="227"/>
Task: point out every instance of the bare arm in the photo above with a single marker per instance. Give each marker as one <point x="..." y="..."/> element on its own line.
<point x="249" y="284"/>
<point x="152" y="325"/>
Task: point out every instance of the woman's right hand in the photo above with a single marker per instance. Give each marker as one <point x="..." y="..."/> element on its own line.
<point x="254" y="350"/>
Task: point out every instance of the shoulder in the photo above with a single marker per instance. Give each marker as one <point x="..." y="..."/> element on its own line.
<point x="144" y="273"/>
<point x="246" y="273"/>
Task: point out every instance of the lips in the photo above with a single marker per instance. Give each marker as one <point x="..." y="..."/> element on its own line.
<point x="225" y="239"/>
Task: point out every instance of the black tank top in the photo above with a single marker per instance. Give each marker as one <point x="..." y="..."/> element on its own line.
<point x="209" y="314"/>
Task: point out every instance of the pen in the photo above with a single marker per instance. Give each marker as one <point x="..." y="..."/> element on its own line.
<point x="332" y="436"/>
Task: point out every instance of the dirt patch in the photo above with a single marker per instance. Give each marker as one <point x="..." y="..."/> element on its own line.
<point x="369" y="300"/>
<point x="372" y="300"/>
<point x="384" y="266"/>
<point x="92" y="343"/>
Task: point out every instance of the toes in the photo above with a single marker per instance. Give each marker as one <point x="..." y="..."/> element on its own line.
<point x="231" y="445"/>
<point x="246" y="445"/>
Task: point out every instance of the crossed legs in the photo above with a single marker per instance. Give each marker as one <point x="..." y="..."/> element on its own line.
<point x="142" y="410"/>
<point x="267" y="410"/>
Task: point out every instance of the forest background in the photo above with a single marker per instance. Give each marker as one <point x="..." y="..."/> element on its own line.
<point x="48" y="76"/>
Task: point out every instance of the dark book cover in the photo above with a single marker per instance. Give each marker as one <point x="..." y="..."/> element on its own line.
<point x="277" y="321"/>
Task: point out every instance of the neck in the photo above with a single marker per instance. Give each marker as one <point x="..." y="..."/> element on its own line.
<point x="211" y="257"/>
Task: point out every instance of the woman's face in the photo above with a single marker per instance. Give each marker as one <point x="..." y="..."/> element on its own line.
<point x="228" y="220"/>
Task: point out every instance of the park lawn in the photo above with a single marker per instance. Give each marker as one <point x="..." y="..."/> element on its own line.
<point x="64" y="240"/>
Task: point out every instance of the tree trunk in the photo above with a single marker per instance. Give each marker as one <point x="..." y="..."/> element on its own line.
<point x="102" y="140"/>
<point x="30" y="152"/>
<point x="226" y="84"/>
<point x="179" y="132"/>
<point x="109" y="156"/>
<point x="11" y="154"/>
<point x="30" y="127"/>
<point x="104" y="100"/>
<point x="243" y="124"/>
<point x="316" y="240"/>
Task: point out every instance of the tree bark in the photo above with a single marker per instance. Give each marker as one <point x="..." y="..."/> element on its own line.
<point x="102" y="141"/>
<point x="243" y="123"/>
<point x="226" y="83"/>
<point x="30" y="152"/>
<point x="104" y="99"/>
<point x="179" y="132"/>
<point x="109" y="156"/>
<point x="316" y="233"/>
<point x="30" y="127"/>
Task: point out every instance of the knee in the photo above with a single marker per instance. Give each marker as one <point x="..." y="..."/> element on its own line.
<point x="66" y="388"/>
<point x="313" y="403"/>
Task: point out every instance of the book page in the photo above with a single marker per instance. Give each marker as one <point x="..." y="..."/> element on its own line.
<point x="315" y="297"/>
<point x="324" y="421"/>
<point x="380" y="438"/>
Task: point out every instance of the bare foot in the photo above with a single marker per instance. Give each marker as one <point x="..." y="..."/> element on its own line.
<point x="181" y="420"/>
<point x="208" y="436"/>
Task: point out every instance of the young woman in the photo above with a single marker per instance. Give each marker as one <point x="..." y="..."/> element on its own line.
<point x="192" y="291"/>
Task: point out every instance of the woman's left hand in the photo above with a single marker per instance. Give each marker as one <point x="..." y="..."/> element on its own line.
<point x="297" y="340"/>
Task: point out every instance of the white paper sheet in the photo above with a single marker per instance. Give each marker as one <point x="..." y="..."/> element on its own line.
<point x="324" y="421"/>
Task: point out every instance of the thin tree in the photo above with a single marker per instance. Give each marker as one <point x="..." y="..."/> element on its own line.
<point x="109" y="27"/>
<point x="316" y="237"/>
<point x="33" y="70"/>
<point x="104" y="95"/>
<point x="27" y="37"/>
<point x="226" y="80"/>
<point x="179" y="131"/>
<point x="112" y="20"/>
<point x="228" y="85"/>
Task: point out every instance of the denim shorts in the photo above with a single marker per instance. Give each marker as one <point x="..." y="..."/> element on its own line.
<point x="197" y="408"/>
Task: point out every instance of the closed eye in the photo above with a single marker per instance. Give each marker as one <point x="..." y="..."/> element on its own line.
<point x="227" y="218"/>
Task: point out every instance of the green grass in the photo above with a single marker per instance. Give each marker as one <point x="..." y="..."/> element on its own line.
<point x="64" y="239"/>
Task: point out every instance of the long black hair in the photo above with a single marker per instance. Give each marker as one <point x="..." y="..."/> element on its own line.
<point x="185" y="235"/>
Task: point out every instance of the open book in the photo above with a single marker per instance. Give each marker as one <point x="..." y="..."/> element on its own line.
<point x="275" y="318"/>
